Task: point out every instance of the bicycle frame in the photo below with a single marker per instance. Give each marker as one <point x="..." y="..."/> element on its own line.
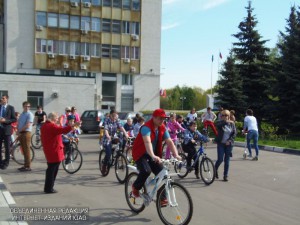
<point x="198" y="154"/>
<point x="162" y="177"/>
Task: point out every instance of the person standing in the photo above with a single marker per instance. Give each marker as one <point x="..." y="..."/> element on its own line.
<point x="39" y="119"/>
<point x="7" y="117"/>
<point x="208" y="119"/>
<point x="51" y="136"/>
<point x="250" y="126"/>
<point x="24" y="131"/>
<point x="225" y="139"/>
<point x="192" y="115"/>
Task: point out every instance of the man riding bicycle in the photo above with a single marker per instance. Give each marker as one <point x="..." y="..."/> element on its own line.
<point x="147" y="149"/>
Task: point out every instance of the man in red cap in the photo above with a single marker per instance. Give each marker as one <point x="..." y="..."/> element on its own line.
<point x="147" y="149"/>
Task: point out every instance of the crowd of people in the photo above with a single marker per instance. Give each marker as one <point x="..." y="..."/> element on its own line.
<point x="57" y="131"/>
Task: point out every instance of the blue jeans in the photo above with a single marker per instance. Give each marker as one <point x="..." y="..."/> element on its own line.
<point x="252" y="135"/>
<point x="223" y="154"/>
<point x="108" y="149"/>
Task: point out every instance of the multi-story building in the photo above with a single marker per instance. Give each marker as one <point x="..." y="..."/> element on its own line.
<point x="89" y="53"/>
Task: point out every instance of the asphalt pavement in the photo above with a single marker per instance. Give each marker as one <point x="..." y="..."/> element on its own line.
<point x="259" y="192"/>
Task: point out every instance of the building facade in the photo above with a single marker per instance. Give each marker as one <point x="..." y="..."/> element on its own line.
<point x="115" y="44"/>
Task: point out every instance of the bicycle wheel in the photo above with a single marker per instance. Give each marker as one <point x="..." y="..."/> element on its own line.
<point x="179" y="207"/>
<point x="121" y="169"/>
<point x="75" y="161"/>
<point x="207" y="170"/>
<point x="181" y="167"/>
<point x="101" y="160"/>
<point x="75" y="146"/>
<point x="135" y="204"/>
<point x="36" y="141"/>
<point x="18" y="154"/>
<point x="128" y="151"/>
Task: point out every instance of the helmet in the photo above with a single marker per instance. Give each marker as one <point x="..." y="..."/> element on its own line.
<point x="71" y="117"/>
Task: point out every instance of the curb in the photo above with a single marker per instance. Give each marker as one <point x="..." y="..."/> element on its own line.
<point x="7" y="201"/>
<point x="271" y="148"/>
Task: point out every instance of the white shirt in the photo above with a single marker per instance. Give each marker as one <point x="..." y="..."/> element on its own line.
<point x="250" y="123"/>
<point x="209" y="116"/>
<point x="191" y="116"/>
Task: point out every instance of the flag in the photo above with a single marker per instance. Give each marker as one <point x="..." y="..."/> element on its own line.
<point x="212" y="58"/>
<point x="164" y="93"/>
<point x="161" y="92"/>
<point x="221" y="55"/>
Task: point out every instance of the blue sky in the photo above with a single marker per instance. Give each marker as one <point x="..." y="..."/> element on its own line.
<point x="194" y="30"/>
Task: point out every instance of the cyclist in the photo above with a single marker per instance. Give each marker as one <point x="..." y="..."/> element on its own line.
<point x="191" y="135"/>
<point x="147" y="150"/>
<point x="63" y="118"/>
<point x="173" y="128"/>
<point x="111" y="126"/>
<point x="208" y="119"/>
<point x="71" y="135"/>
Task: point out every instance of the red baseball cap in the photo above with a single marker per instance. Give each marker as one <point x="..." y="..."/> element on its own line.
<point x="159" y="113"/>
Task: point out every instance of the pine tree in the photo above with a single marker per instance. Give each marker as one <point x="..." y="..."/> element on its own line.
<point x="288" y="88"/>
<point x="253" y="64"/>
<point x="229" y="88"/>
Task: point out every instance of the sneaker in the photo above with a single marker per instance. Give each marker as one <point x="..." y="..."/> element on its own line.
<point x="67" y="161"/>
<point x="24" y="169"/>
<point x="225" y="178"/>
<point x="103" y="169"/>
<point x="197" y="174"/>
<point x="255" y="158"/>
<point x="164" y="202"/>
<point x="249" y="156"/>
<point x="217" y="175"/>
<point x="135" y="192"/>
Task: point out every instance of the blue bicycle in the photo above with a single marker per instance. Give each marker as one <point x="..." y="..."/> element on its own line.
<point x="207" y="168"/>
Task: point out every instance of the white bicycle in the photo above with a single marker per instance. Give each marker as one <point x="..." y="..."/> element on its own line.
<point x="179" y="206"/>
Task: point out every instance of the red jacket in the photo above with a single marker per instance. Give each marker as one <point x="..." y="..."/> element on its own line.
<point x="52" y="141"/>
<point x="139" y="149"/>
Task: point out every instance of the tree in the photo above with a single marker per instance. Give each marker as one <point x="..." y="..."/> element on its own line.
<point x="288" y="86"/>
<point x="229" y="88"/>
<point x="253" y="66"/>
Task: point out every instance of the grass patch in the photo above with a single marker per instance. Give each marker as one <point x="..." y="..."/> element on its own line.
<point x="294" y="144"/>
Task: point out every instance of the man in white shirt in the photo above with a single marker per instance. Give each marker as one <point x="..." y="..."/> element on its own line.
<point x="251" y="128"/>
<point x="208" y="119"/>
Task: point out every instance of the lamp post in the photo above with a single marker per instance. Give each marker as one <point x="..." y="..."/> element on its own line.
<point x="182" y="99"/>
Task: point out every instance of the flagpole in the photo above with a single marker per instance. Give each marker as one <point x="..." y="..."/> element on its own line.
<point x="211" y="76"/>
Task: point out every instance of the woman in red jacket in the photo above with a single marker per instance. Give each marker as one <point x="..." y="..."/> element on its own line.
<point x="51" y="136"/>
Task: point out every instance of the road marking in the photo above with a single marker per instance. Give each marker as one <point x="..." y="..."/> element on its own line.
<point x="9" y="199"/>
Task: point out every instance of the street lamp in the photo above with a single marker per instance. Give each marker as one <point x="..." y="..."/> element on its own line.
<point x="182" y="99"/>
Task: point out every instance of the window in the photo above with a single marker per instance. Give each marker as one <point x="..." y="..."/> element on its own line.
<point x="74" y="22"/>
<point x="115" y="50"/>
<point x="95" y="50"/>
<point x="63" y="21"/>
<point x="85" y="49"/>
<point x="3" y="92"/>
<point x="136" y="5"/>
<point x="41" y="19"/>
<point x="74" y="48"/>
<point x="63" y="47"/>
<point x="41" y="46"/>
<point x="96" y="2"/>
<point x="126" y="27"/>
<point x="106" y="25"/>
<point x="83" y="1"/>
<point x="109" y="90"/>
<point x="52" y="20"/>
<point x="126" y="4"/>
<point x="107" y="3"/>
<point x="135" y="28"/>
<point x="85" y="23"/>
<point x="135" y="52"/>
<point x="96" y="24"/>
<point x="117" y="3"/>
<point x="126" y="79"/>
<point x="52" y="46"/>
<point x="106" y="51"/>
<point x="116" y="26"/>
<point x="35" y="98"/>
<point x="127" y="102"/>
<point x="125" y="53"/>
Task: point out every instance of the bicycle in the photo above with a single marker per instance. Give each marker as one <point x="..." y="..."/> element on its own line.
<point x="207" y="168"/>
<point x="179" y="207"/>
<point x="117" y="159"/>
<point x="17" y="153"/>
<point x="36" y="139"/>
<point x="73" y="161"/>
